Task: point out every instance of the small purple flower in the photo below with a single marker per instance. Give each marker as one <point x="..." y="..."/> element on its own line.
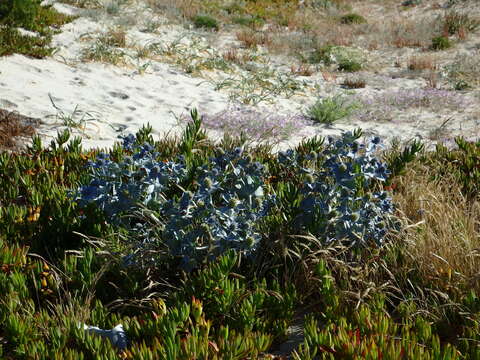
<point x="255" y="124"/>
<point x="385" y="105"/>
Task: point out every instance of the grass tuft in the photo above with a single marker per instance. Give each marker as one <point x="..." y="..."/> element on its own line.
<point x="441" y="43"/>
<point x="330" y="109"/>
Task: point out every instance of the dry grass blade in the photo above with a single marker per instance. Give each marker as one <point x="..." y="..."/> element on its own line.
<point x="446" y="231"/>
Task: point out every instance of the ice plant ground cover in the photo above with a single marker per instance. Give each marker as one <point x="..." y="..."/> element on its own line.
<point x="205" y="250"/>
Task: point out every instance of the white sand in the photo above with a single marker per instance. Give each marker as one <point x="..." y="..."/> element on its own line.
<point x="111" y="100"/>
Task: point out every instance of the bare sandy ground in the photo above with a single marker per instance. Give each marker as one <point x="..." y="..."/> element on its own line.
<point x="100" y="101"/>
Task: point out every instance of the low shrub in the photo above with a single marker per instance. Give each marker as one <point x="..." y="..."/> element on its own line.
<point x="421" y="63"/>
<point x="346" y="59"/>
<point x="13" y="42"/>
<point x="158" y="203"/>
<point x="349" y="65"/>
<point x="411" y="2"/>
<point x="45" y="212"/>
<point x="251" y="39"/>
<point x="31" y="16"/>
<point x="250" y="21"/>
<point x="463" y="163"/>
<point x="234" y="8"/>
<point x="322" y="54"/>
<point x="177" y="331"/>
<point x="373" y="332"/>
<point x="352" y="18"/>
<point x="49" y="20"/>
<point x="251" y="306"/>
<point x="206" y="21"/>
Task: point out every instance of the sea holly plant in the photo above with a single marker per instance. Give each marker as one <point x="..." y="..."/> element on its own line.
<point x="199" y="212"/>
<point x="335" y="201"/>
<point x="220" y="212"/>
<point x="117" y="187"/>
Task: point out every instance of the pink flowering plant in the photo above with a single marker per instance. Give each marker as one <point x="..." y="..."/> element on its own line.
<point x="387" y="105"/>
<point x="255" y="124"/>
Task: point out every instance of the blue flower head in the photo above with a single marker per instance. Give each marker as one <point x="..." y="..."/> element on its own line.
<point x="129" y="142"/>
<point x="238" y="151"/>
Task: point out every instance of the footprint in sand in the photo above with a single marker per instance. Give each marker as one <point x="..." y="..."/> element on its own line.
<point x="77" y="81"/>
<point x="119" y="95"/>
<point x="119" y="127"/>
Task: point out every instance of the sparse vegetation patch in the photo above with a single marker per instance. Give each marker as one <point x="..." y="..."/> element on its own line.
<point x="456" y="22"/>
<point x="30" y="15"/>
<point x="14" y="126"/>
<point x="464" y="71"/>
